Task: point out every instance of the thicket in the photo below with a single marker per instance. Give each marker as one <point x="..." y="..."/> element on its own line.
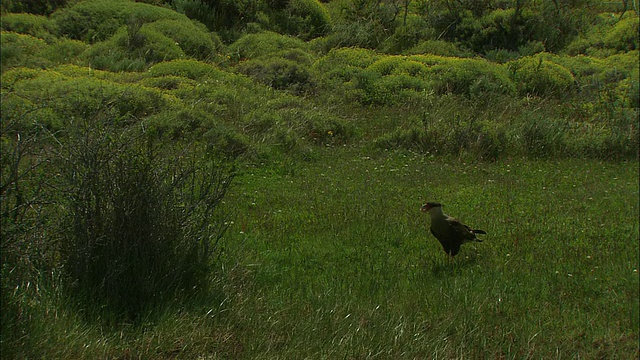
<point x="306" y="19"/>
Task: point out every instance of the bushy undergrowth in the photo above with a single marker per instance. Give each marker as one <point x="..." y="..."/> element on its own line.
<point x="141" y="227"/>
<point x="607" y="132"/>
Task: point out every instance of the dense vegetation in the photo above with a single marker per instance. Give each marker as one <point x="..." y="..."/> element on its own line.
<point x="241" y="179"/>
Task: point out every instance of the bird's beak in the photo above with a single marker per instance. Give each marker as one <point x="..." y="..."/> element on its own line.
<point x="424" y="208"/>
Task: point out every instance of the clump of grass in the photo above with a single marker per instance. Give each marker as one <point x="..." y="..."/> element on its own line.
<point x="140" y="228"/>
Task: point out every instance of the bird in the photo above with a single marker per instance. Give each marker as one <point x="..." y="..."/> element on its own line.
<point x="450" y="232"/>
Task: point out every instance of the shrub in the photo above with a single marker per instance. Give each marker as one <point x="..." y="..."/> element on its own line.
<point x="177" y="124"/>
<point x="543" y="137"/>
<point x="142" y="227"/>
<point x="537" y="76"/>
<point x="133" y="48"/>
<point x="607" y="36"/>
<point x="169" y="82"/>
<point x="42" y="7"/>
<point x="65" y="51"/>
<point x="386" y="78"/>
<point x="190" y="69"/>
<point x="83" y="96"/>
<point x="343" y="65"/>
<point x="406" y="36"/>
<point x="355" y="57"/>
<point x="278" y="73"/>
<point x="98" y="20"/>
<point x="298" y="55"/>
<point x="623" y="36"/>
<point x="307" y="19"/>
<point x="474" y="78"/>
<point x="227" y="17"/>
<point x="28" y="24"/>
<point x="22" y="50"/>
<point x="469" y="77"/>
<point x="194" y="39"/>
<point x="251" y="46"/>
<point x="438" y="47"/>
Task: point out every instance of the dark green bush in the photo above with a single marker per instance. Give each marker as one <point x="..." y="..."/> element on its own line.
<point x="190" y="69"/>
<point x="29" y="51"/>
<point x="64" y="51"/>
<point x="609" y="35"/>
<point x="469" y="77"/>
<point x="251" y="46"/>
<point x="474" y="78"/>
<point x="346" y="67"/>
<point x="28" y="24"/>
<point x="384" y="79"/>
<point x="306" y="19"/>
<point x="227" y="17"/>
<point x="169" y="82"/>
<point x="346" y="57"/>
<point x="279" y="73"/>
<point x="142" y="228"/>
<point x="438" y="47"/>
<point x="42" y="7"/>
<point x="22" y="50"/>
<point x="98" y="20"/>
<point x="193" y="38"/>
<point x="133" y="48"/>
<point x="413" y="31"/>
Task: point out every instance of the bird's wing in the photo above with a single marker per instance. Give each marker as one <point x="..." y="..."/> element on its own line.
<point x="460" y="230"/>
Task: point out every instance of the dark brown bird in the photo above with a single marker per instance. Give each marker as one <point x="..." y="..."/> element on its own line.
<point x="449" y="231"/>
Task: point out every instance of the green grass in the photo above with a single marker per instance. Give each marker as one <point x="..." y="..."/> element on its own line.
<point x="337" y="261"/>
<point x="332" y="258"/>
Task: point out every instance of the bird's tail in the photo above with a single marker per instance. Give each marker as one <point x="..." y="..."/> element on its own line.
<point x="475" y="231"/>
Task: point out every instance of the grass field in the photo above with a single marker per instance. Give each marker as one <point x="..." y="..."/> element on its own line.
<point x="333" y="259"/>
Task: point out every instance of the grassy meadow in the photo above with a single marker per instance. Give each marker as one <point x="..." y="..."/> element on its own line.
<point x="342" y="264"/>
<point x="200" y="179"/>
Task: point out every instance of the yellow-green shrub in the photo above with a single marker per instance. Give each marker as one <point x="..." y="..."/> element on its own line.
<point x="83" y="96"/>
<point x="251" y="46"/>
<point x="191" y="69"/>
<point x="537" y="76"/>
<point x="438" y="47"/>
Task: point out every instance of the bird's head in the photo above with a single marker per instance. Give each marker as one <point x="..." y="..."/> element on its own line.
<point x="430" y="205"/>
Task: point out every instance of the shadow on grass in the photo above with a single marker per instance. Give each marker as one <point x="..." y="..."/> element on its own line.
<point x="449" y="266"/>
